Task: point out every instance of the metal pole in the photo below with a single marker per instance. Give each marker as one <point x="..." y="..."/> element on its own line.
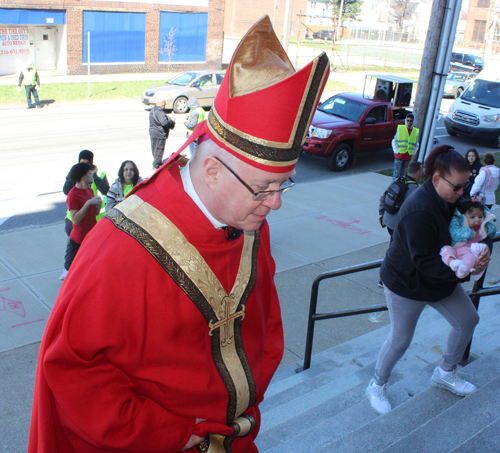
<point x="287" y="24"/>
<point x="298" y="41"/>
<point x="88" y="57"/>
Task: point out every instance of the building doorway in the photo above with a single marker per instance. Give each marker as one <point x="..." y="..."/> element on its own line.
<point x="46" y="48"/>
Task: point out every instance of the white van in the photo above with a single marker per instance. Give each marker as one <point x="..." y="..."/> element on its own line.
<point x="477" y="112"/>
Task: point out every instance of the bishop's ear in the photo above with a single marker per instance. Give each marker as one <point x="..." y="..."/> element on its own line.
<point x="211" y="172"/>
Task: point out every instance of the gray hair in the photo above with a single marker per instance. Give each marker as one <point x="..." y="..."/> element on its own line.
<point x="209" y="148"/>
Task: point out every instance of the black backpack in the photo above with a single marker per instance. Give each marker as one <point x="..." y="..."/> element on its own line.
<point x="395" y="194"/>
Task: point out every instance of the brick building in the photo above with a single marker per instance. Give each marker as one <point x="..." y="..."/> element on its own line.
<point x="125" y="36"/>
<point x="476" y="25"/>
<point x="240" y="15"/>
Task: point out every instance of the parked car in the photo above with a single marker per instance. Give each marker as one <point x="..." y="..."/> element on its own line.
<point x="457" y="82"/>
<point x="350" y="123"/>
<point x="203" y="85"/>
<point x="476" y="113"/>
<point x="323" y="34"/>
<point x="466" y="62"/>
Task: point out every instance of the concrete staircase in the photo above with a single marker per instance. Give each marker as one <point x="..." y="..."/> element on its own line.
<point x="324" y="409"/>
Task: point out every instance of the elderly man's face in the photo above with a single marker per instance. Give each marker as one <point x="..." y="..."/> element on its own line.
<point x="235" y="205"/>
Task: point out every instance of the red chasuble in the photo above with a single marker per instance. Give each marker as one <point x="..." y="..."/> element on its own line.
<point x="160" y="321"/>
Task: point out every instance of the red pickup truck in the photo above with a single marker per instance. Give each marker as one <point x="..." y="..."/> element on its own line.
<point x="350" y="123"/>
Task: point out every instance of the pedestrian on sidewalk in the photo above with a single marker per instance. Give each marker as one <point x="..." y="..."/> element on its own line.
<point x="196" y="115"/>
<point x="404" y="145"/>
<point x="472" y="157"/>
<point x="414" y="276"/>
<point x="128" y="178"/>
<point x="167" y="332"/>
<point x="99" y="184"/>
<point x="31" y="80"/>
<point x="83" y="206"/>
<point x="389" y="220"/>
<point x="160" y="125"/>
<point x="486" y="182"/>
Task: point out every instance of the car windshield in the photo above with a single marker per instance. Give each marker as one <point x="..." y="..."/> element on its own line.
<point x="483" y="92"/>
<point x="344" y="108"/>
<point x="184" y="79"/>
<point x="459" y="77"/>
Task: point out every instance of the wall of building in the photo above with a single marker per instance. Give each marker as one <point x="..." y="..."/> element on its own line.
<point x="478" y="11"/>
<point x="72" y="47"/>
<point x="240" y="15"/>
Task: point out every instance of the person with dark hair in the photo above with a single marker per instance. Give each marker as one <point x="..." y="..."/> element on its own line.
<point x="486" y="182"/>
<point x="391" y="220"/>
<point x="128" y="177"/>
<point x="414" y="276"/>
<point x="160" y="125"/>
<point x="471" y="223"/>
<point x="404" y="145"/>
<point x="472" y="157"/>
<point x="99" y="184"/>
<point x="83" y="206"/>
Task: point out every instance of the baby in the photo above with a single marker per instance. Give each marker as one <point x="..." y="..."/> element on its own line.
<point x="471" y="223"/>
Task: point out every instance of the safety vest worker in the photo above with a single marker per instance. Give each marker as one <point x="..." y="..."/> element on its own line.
<point x="406" y="141"/>
<point x="30" y="76"/>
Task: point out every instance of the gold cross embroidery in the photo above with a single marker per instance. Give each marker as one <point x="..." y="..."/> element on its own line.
<point x="227" y="324"/>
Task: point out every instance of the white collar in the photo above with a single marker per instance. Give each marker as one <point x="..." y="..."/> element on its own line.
<point x="187" y="182"/>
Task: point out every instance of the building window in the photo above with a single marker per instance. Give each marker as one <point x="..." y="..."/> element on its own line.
<point x="114" y="37"/>
<point x="483" y="3"/>
<point x="479" y="30"/>
<point x="189" y="31"/>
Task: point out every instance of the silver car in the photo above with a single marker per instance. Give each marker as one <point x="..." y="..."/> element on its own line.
<point x="203" y="85"/>
<point x="457" y="82"/>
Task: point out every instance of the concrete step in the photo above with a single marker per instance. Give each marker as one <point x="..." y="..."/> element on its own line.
<point x="485" y="441"/>
<point x="321" y="408"/>
<point x="435" y="420"/>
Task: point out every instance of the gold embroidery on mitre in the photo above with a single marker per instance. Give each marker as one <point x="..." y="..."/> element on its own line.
<point x="267" y="152"/>
<point x="223" y="313"/>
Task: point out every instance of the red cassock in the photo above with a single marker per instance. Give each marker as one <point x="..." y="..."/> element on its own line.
<point x="142" y="341"/>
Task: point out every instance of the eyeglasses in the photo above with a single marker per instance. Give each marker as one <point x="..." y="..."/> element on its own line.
<point x="262" y="194"/>
<point x="456" y="187"/>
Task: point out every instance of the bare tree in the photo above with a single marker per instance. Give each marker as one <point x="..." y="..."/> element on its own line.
<point x="402" y="11"/>
<point x="169" y="47"/>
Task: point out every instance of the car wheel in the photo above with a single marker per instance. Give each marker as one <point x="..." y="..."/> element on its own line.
<point x="340" y="158"/>
<point x="496" y="142"/>
<point x="180" y="105"/>
<point x="459" y="92"/>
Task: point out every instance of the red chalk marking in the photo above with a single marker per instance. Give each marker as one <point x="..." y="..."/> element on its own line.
<point x="345" y="225"/>
<point x="24" y="323"/>
<point x="12" y="306"/>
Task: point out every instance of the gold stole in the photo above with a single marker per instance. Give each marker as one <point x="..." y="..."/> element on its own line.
<point x="223" y="312"/>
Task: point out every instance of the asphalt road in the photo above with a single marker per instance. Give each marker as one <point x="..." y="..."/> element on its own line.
<point x="38" y="148"/>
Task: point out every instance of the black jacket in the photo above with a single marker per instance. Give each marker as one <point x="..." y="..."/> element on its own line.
<point x="413" y="267"/>
<point x="101" y="184"/>
<point x="159" y="123"/>
<point x="474" y="171"/>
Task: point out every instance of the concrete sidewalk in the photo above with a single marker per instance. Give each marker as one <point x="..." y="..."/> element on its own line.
<point x="322" y="226"/>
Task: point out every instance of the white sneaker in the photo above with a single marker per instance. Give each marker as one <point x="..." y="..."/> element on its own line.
<point x="452" y="382"/>
<point x="63" y="275"/>
<point x="377" y="395"/>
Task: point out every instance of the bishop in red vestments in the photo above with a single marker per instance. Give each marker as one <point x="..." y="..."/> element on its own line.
<point x="167" y="330"/>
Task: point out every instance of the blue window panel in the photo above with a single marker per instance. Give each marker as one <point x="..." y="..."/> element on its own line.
<point x="32" y="17"/>
<point x="114" y="37"/>
<point x="190" y="36"/>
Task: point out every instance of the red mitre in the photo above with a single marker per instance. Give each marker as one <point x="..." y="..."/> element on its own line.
<point x="263" y="109"/>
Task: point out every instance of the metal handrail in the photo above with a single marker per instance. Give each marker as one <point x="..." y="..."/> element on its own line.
<point x="475" y="294"/>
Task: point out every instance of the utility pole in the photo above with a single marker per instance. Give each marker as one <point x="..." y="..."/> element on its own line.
<point x="435" y="63"/>
<point x="298" y="40"/>
<point x="287" y="24"/>
<point x="339" y="23"/>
